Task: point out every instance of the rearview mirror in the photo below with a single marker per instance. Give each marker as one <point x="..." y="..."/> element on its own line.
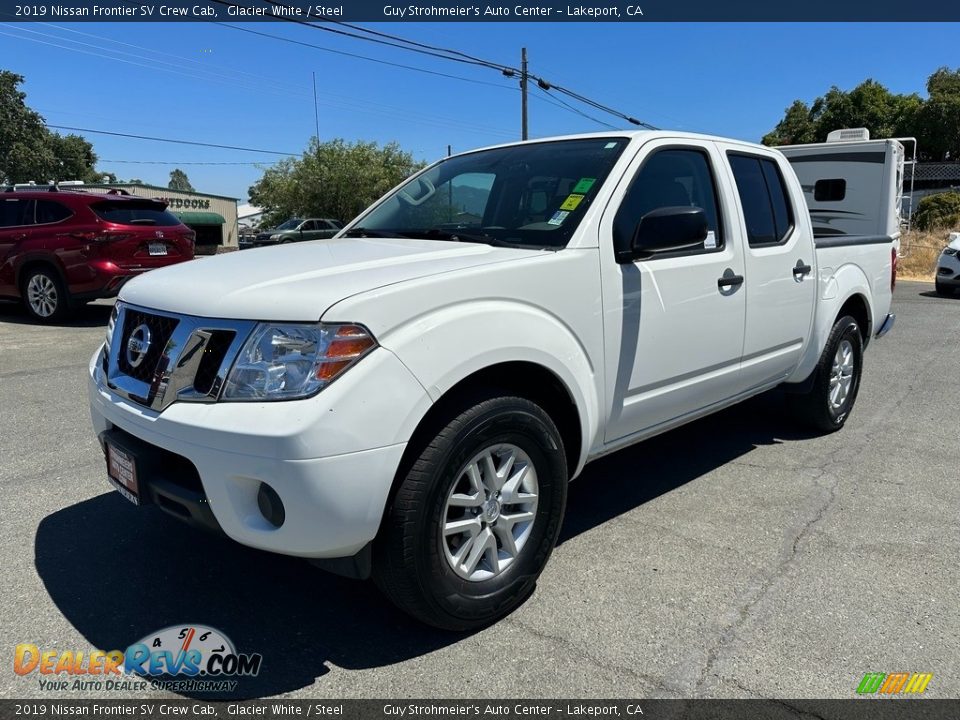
<point x="669" y="229"/>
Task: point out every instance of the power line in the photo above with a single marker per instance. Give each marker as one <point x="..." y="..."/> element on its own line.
<point x="366" y="57"/>
<point x="177" y="142"/>
<point x="175" y="162"/>
<point x="453" y="55"/>
<point x="366" y="106"/>
<point x="567" y="106"/>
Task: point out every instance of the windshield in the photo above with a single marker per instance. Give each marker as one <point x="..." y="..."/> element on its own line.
<point x="291" y="224"/>
<point x="531" y="195"/>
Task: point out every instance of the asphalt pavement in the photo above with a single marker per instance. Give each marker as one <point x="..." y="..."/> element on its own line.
<point x="735" y="557"/>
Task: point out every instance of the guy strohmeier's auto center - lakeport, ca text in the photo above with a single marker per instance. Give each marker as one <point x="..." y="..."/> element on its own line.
<point x="211" y="12"/>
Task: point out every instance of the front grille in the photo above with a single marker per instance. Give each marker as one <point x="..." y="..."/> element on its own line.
<point x="213" y="355"/>
<point x="185" y="360"/>
<point x="161" y="328"/>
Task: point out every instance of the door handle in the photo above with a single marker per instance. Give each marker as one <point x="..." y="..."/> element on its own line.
<point x="801" y="269"/>
<point x="728" y="281"/>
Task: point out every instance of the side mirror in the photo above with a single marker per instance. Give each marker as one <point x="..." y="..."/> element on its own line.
<point x="667" y="229"/>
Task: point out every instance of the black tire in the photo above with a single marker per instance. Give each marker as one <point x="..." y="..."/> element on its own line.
<point x="46" y="280"/>
<point x="941" y="289"/>
<point x="815" y="406"/>
<point x="410" y="562"/>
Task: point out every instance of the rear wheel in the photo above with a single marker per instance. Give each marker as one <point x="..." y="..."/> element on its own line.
<point x="44" y="294"/>
<point x="476" y="517"/>
<point x="836" y="383"/>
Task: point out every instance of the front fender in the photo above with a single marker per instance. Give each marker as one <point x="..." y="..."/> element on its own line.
<point x="447" y="345"/>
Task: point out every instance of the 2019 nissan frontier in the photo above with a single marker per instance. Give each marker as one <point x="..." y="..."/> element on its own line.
<point x="410" y="399"/>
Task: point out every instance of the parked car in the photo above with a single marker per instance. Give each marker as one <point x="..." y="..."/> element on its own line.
<point x="297" y="229"/>
<point x="60" y="248"/>
<point x="948" y="267"/>
<point x="411" y="404"/>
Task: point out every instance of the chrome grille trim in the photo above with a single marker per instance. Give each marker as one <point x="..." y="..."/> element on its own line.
<point x="172" y="379"/>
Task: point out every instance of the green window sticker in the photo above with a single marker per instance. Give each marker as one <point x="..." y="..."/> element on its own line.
<point x="583" y="187"/>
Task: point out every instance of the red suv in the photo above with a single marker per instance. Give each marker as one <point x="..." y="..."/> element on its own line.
<point x="60" y="248"/>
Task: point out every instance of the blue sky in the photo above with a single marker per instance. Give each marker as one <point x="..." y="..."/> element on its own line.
<point x="210" y="83"/>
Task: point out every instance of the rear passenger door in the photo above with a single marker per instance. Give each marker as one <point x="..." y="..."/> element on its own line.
<point x="673" y="322"/>
<point x="780" y="269"/>
<point x="16" y="214"/>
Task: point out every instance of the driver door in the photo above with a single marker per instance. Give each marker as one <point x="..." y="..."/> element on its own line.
<point x="674" y="322"/>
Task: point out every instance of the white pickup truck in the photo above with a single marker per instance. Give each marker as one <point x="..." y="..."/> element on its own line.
<point x="409" y="400"/>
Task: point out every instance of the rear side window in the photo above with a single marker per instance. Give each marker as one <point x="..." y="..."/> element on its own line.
<point x="13" y="212"/>
<point x="833" y="190"/>
<point x="132" y="212"/>
<point x="49" y="211"/>
<point x="766" y="210"/>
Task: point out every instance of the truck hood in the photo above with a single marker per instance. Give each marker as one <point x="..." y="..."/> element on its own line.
<point x="298" y="282"/>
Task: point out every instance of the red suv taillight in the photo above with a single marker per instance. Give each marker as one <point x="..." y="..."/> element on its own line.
<point x="99" y="237"/>
<point x="893" y="269"/>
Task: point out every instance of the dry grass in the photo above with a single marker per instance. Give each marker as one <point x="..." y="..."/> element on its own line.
<point x="919" y="251"/>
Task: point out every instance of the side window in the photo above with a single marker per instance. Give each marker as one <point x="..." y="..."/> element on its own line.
<point x="13" y="212"/>
<point x="309" y="225"/>
<point x="669" y="177"/>
<point x="766" y="210"/>
<point x="49" y="211"/>
<point x="833" y="190"/>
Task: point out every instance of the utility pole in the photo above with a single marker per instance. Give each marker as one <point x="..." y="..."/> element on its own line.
<point x="523" y="93"/>
<point x="316" y="112"/>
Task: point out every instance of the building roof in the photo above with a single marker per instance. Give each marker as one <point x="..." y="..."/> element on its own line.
<point x="152" y="187"/>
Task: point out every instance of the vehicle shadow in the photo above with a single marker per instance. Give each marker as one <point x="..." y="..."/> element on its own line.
<point x="935" y="294"/>
<point x="145" y="571"/>
<point x="86" y="315"/>
<point x="617" y="483"/>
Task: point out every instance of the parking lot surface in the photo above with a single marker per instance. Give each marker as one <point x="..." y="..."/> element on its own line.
<point x="735" y="557"/>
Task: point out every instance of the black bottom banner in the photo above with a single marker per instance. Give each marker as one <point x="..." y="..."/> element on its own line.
<point x="854" y="709"/>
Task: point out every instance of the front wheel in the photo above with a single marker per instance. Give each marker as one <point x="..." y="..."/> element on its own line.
<point x="476" y="517"/>
<point x="836" y="383"/>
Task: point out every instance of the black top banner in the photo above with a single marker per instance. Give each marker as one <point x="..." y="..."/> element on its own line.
<point x="467" y="11"/>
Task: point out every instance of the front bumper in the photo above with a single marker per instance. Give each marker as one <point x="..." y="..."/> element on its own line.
<point x="331" y="459"/>
<point x="948" y="271"/>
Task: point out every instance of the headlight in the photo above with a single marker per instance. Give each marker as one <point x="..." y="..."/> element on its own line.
<point x="275" y="237"/>
<point x="950" y="251"/>
<point x="282" y="361"/>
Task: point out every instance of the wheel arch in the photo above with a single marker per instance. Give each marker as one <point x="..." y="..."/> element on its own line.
<point x="522" y="378"/>
<point x="34" y="260"/>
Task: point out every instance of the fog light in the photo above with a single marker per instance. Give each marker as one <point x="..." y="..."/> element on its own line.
<point x="271" y="507"/>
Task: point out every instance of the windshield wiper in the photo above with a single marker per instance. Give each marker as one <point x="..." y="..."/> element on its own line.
<point x="361" y="232"/>
<point x="459" y="236"/>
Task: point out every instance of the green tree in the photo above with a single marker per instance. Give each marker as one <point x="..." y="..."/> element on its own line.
<point x="796" y="128"/>
<point x="938" y="122"/>
<point x="334" y="179"/>
<point x="179" y="181"/>
<point x="935" y="122"/>
<point x="30" y="152"/>
<point x="25" y="151"/>
<point x="938" y="211"/>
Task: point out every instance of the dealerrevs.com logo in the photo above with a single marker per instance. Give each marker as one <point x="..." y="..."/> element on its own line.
<point x="180" y="658"/>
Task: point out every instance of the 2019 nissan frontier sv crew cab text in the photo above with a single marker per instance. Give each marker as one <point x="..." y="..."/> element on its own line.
<point x="409" y="400"/>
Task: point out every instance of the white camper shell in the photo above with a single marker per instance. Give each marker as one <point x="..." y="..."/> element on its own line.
<point x="853" y="187"/>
